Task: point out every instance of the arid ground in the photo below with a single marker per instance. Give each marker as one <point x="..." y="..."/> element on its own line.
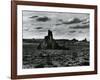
<point x="75" y="54"/>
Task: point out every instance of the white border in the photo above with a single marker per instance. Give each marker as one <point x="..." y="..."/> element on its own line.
<point x="21" y="71"/>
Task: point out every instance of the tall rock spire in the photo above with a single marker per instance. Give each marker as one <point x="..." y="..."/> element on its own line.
<point x="48" y="42"/>
<point x="50" y="34"/>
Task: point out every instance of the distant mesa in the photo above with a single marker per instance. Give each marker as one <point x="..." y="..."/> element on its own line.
<point x="48" y="42"/>
<point x="85" y="40"/>
<point x="74" y="40"/>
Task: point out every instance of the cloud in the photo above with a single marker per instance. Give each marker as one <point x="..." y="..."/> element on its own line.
<point x="80" y="32"/>
<point x="85" y="22"/>
<point x="60" y="20"/>
<point x="38" y="28"/>
<point x="58" y="24"/>
<point x="72" y="20"/>
<point x="33" y="16"/>
<point x="72" y="31"/>
<point x="43" y="19"/>
<point x="25" y="29"/>
<point x="80" y="26"/>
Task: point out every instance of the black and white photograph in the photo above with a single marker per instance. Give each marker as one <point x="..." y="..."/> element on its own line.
<point x="55" y="39"/>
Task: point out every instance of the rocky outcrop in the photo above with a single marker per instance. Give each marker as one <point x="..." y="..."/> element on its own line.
<point x="48" y="42"/>
<point x="85" y="40"/>
<point x="74" y="40"/>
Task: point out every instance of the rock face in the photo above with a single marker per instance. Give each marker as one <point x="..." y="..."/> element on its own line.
<point x="48" y="42"/>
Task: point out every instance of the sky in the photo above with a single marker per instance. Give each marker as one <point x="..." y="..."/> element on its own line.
<point x="64" y="25"/>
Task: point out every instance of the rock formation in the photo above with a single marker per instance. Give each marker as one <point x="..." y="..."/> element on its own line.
<point x="85" y="40"/>
<point x="48" y="42"/>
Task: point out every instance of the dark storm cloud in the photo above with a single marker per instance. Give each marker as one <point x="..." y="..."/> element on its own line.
<point x="74" y="20"/>
<point x="80" y="27"/>
<point x="72" y="31"/>
<point x="43" y="19"/>
<point x="33" y="16"/>
<point x="38" y="28"/>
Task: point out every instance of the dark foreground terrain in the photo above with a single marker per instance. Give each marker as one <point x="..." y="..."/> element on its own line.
<point x="76" y="53"/>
